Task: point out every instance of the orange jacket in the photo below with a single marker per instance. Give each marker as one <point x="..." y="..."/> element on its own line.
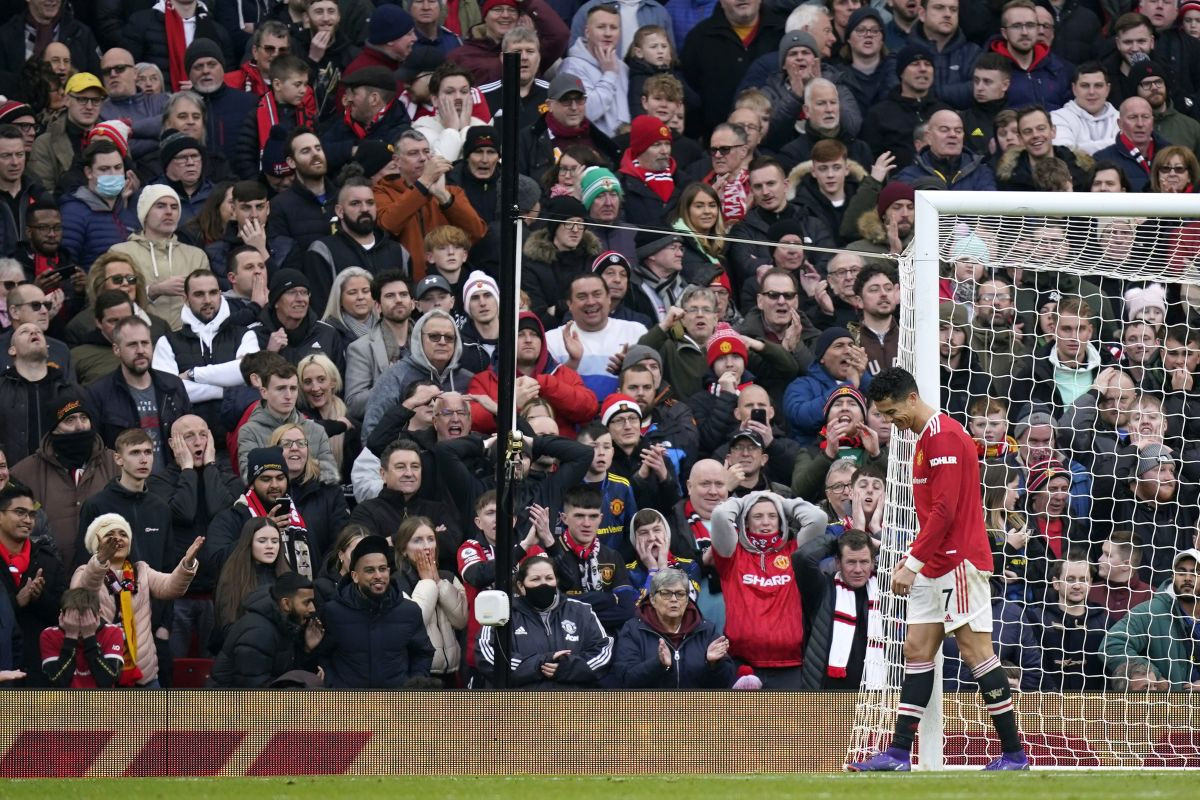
<point x="408" y="213"/>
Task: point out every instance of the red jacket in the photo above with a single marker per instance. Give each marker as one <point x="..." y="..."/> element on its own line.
<point x="247" y="79"/>
<point x="572" y="401"/>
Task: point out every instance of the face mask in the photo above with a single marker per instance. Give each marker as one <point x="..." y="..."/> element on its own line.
<point x="110" y="185"/>
<point x="541" y="597"/>
<point x="72" y="449"/>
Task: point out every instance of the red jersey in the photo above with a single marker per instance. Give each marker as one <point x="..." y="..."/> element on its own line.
<point x="110" y="642"/>
<point x="763" y="616"/>
<point x="949" y="501"/>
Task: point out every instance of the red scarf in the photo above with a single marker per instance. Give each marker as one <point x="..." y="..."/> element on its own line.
<point x="176" y="47"/>
<point x="1054" y="537"/>
<point x="852" y="442"/>
<point x="699" y="532"/>
<point x="268" y="115"/>
<point x="358" y="130"/>
<point x="560" y="131"/>
<point x="661" y="183"/>
<point x="1143" y="159"/>
<point x="252" y="79"/>
<point x="766" y="542"/>
<point x="18" y="562"/>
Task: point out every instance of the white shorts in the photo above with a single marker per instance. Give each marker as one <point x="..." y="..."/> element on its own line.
<point x="962" y="596"/>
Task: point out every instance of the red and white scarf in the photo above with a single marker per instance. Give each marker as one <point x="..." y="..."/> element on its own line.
<point x="361" y="132"/>
<point x="1143" y="159"/>
<point x="176" y="47"/>
<point x="845" y="623"/>
<point x="589" y="563"/>
<point x="293" y="541"/>
<point x="699" y="529"/>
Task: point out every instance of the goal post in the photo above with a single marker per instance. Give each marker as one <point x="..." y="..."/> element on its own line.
<point x="1120" y="727"/>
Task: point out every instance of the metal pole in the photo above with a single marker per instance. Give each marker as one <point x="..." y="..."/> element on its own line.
<point x="509" y="300"/>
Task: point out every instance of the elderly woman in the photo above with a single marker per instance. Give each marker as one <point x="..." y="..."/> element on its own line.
<point x="113" y="271"/>
<point x="442" y="599"/>
<point x="149" y="78"/>
<point x="126" y="589"/>
<point x="322" y="506"/>
<point x="565" y="646"/>
<point x="668" y="645"/>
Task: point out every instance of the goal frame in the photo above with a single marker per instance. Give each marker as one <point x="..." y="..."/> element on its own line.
<point x="922" y="268"/>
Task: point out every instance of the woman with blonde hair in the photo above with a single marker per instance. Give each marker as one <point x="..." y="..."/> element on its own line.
<point x="113" y="271"/>
<point x="442" y="599"/>
<point x="351" y="309"/>
<point x="321" y="506"/>
<point x="320" y="392"/>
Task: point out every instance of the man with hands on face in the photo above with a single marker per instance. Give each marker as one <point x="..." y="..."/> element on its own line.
<point x="595" y="60"/>
<point x="845" y="434"/>
<point x="81" y="651"/>
<point x="839" y="362"/>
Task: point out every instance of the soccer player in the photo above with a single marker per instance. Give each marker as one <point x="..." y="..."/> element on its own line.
<point x="944" y="574"/>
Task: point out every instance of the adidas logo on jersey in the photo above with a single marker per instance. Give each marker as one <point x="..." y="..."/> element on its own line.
<point x="519" y="631"/>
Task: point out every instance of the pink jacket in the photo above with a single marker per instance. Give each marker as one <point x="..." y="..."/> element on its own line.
<point x="151" y="583"/>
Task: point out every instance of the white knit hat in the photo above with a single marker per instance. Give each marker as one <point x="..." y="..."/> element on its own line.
<point x="102" y="525"/>
<point x="151" y="195"/>
<point x="479" y="281"/>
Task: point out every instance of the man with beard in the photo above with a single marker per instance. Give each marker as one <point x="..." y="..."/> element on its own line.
<point x="277" y="634"/>
<point x="1158" y="508"/>
<point x="1153" y="86"/>
<point x="289" y="326"/>
<point x="648" y="172"/>
<point x="39" y="251"/>
<point x="1160" y="633"/>
<point x="267" y="496"/>
<point x="302" y="211"/>
<point x="227" y="106"/>
<point x="136" y="396"/>
<point x="887" y="228"/>
<point x="1069" y="630"/>
<point x="878" y="291"/>
<point x="358" y="242"/>
<point x="890" y="123"/>
<point x="70" y="466"/>
<point x="944" y="161"/>
<point x="375" y="637"/>
<point x="372" y="114"/>
<point x="1017" y="169"/>
<point x="370" y="356"/>
<point x="995" y="335"/>
<point x="1039" y="77"/>
<point x="207" y="350"/>
<point x="417" y="201"/>
<point x="25" y="387"/>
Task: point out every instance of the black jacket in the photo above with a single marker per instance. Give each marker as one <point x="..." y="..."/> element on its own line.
<point x="12" y="228"/>
<point x="636" y="663"/>
<point x="195" y="498"/>
<point x="809" y="197"/>
<point x="190" y="352"/>
<point x="145" y="36"/>
<point x="818" y="598"/>
<point x="537" y="151"/>
<point x="40" y="613"/>
<point x="113" y="404"/>
<point x="889" y="124"/>
<point x="311" y="336"/>
<point x="22" y="424"/>
<point x="744" y="259"/>
<point x="323" y="507"/>
<point x="569" y="625"/>
<point x="643" y="206"/>
<point x="85" y="53"/>
<point x="262" y="645"/>
<point x="148" y="516"/>
<point x="614" y="603"/>
<point x="227" y="109"/>
<point x="329" y="255"/>
<point x="338" y="138"/>
<point x="1071" y="647"/>
<point x="483" y="194"/>
<point x="373" y="644"/>
<point x="382" y="515"/>
<point x="301" y="216"/>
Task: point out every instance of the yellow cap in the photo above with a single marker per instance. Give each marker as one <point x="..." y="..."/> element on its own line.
<point x="82" y="81"/>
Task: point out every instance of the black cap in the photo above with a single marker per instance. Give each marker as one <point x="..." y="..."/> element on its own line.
<point x="372" y="155"/>
<point x="750" y="436"/>
<point x="429" y="283"/>
<point x="650" y="242"/>
<point x="371" y="544"/>
<point x="262" y="459"/>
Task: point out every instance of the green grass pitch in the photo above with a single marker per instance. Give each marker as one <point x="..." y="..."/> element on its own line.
<point x="1035" y="785"/>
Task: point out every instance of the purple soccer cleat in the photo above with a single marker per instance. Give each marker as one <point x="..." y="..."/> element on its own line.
<point x="890" y="760"/>
<point x="1009" y="762"/>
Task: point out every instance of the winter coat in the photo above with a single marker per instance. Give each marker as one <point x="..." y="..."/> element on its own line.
<point x="195" y="498"/>
<point x="227" y="108"/>
<point x="115" y="410"/>
<point x="23" y="426"/>
<point x="257" y="430"/>
<point x="873" y="235"/>
<point x="159" y="260"/>
<point x="713" y="58"/>
<point x="260" y="646"/>
<point x="787" y="107"/>
<point x="1034" y="387"/>
<point x="443" y="608"/>
<point x="973" y="173"/>
<point x="373" y="644"/>
<point x="53" y="155"/>
<point x="91" y="226"/>
<point x="744" y="259"/>
<point x="153" y="585"/>
<point x="12" y="228"/>
<point x="394" y="382"/>
<point x="889" y="124"/>
<point x="383" y="514"/>
<point x="857" y="90"/>
<point x="641" y="204"/>
<point x="329" y="255"/>
<point x="818" y="595"/>
<point x="547" y="272"/>
<point x="148" y="516"/>
<point x="85" y="54"/>
<point x="323" y="507"/>
<point x="339" y="139"/>
<point x="481" y="55"/>
<point x="636" y="663"/>
<point x="1077" y="129"/>
<point x="1138" y="177"/>
<point x="1014" y="171"/>
<point x="41" y="612"/>
<point x="409" y="212"/>
<point x="1077" y="31"/>
<point x="1047" y="82"/>
<point x="1072" y="659"/>
<point x="145" y="36"/>
<point x="1177" y="128"/>
<point x="301" y="217"/>
<point x="567" y="625"/>
<point x="539" y="152"/>
<point x="953" y="65"/>
<point x="804" y="401"/>
<point x="1156" y="634"/>
<point x="809" y="197"/>
<point x="607" y="92"/>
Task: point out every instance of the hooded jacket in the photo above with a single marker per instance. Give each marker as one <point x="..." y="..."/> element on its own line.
<point x="1076" y="128"/>
<point x="764" y="618"/>
<point x="607" y="92"/>
<point x="373" y="644"/>
<point x="309" y="337"/>
<point x="91" y="227"/>
<point x="1156" y="634"/>
<point x="537" y="635"/>
<point x="257" y="430"/>
<point x="394" y="382"/>
<point x="1014" y="171"/>
<point x="1047" y="82"/>
<point x="681" y="555"/>
<point x="159" y="260"/>
<point x="260" y="646"/>
<point x="636" y="663"/>
<point x="573" y="403"/>
<point x="547" y="272"/>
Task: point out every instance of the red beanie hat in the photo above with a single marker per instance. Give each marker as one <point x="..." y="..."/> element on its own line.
<point x="725" y="341"/>
<point x="1041" y="473"/>
<point x="617" y="403"/>
<point x="891" y="193"/>
<point x="645" y="131"/>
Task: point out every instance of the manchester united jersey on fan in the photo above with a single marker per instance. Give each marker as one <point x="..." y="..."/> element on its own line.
<point x="948" y="499"/>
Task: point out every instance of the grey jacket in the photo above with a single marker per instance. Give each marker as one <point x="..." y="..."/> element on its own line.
<point x="366" y="360"/>
<point x="797" y="518"/>
<point x="262" y="423"/>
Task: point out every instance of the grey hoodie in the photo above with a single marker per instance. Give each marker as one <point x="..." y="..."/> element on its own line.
<point x="263" y="422"/>
<point x="798" y="519"/>
<point x="391" y="386"/>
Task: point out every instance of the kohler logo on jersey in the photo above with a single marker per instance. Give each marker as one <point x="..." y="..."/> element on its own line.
<point x="941" y="461"/>
<point x="758" y="580"/>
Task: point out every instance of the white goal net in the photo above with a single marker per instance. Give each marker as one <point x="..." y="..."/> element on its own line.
<point x="1064" y="331"/>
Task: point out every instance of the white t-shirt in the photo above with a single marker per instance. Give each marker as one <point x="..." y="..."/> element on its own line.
<point x="598" y="348"/>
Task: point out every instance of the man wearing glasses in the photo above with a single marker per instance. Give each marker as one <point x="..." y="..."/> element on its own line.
<point x="56" y="150"/>
<point x="1153" y="87"/>
<point x="143" y="111"/>
<point x="565" y="123"/>
<point x="1039" y="77"/>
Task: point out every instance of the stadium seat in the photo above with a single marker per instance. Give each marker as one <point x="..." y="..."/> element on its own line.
<point x="191" y="673"/>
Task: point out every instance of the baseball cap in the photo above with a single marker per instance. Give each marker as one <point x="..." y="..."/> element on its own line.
<point x="431" y="282"/>
<point x="82" y="81"/>
<point x="563" y="84"/>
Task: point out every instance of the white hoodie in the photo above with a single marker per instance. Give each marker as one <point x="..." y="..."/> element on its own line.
<point x="607" y="92"/>
<point x="1074" y="127"/>
<point x="211" y="379"/>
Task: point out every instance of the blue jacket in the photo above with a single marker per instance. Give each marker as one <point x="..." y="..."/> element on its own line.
<point x="1014" y="644"/>
<point x="371" y="645"/>
<point x="973" y="175"/>
<point x="1047" y="82"/>
<point x="567" y="625"/>
<point x="1138" y="177"/>
<point x="952" y="66"/>
<point x="90" y="227"/>
<point x="618" y="509"/>
<point x="636" y="662"/>
<point x="804" y="401"/>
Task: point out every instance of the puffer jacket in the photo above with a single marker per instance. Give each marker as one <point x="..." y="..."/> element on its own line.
<point x="444" y="608"/>
<point x="1157" y="634"/>
<point x="567" y="625"/>
<point x="808" y="193"/>
<point x="309" y="337"/>
<point x="259" y="647"/>
<point x="85" y="53"/>
<point x="819" y="598"/>
<point x="145" y="36"/>
<point x="547" y="272"/>
<point x="373" y="644"/>
<point x="973" y="173"/>
<point x="1014" y="171"/>
<point x="636" y="663"/>
<point x="159" y="260"/>
<point x="40" y="613"/>
<point x="23" y="425"/>
<point x="154" y="585"/>
<point x="91" y="226"/>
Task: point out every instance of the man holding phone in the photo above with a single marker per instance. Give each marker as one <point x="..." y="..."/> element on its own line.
<point x="266" y="497"/>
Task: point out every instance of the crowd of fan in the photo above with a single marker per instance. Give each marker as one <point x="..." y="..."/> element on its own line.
<point x="250" y="323"/>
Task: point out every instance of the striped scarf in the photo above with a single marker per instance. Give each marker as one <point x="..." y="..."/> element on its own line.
<point x="845" y="623"/>
<point x="123" y="589"/>
<point x="699" y="531"/>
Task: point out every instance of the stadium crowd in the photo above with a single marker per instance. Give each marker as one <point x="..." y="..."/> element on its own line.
<point x="250" y="319"/>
